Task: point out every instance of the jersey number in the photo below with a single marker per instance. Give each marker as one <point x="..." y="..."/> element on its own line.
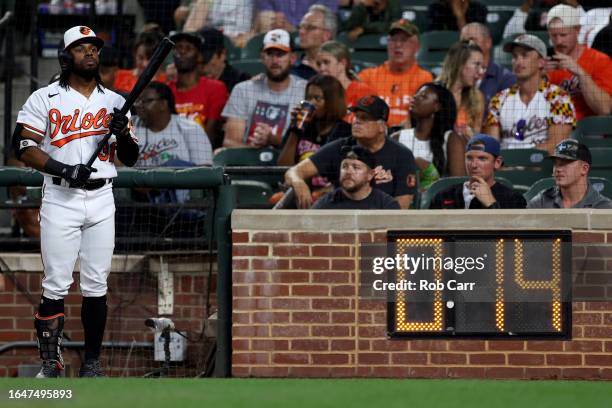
<point x="105" y="155"/>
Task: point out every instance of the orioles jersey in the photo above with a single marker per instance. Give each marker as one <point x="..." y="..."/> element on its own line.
<point x="71" y="125"/>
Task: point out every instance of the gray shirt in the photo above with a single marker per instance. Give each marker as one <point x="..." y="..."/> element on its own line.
<point x="255" y="102"/>
<point x="551" y="198"/>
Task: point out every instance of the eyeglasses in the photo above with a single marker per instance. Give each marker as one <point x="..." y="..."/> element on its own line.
<point x="309" y="27"/>
<point x="521" y="127"/>
<point x="145" y="101"/>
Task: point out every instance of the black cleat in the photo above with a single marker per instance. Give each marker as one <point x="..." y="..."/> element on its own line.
<point x="50" y="369"/>
<point x="91" y="368"/>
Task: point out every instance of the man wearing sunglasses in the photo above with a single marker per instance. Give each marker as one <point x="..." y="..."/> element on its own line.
<point x="533" y="113"/>
<point x="572" y="188"/>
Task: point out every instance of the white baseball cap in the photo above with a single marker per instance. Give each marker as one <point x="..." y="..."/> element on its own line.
<point x="81" y="34"/>
<point x="278" y="39"/>
<point x="528" y="41"/>
<point x="569" y="16"/>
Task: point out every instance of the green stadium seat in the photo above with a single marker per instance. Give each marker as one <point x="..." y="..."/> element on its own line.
<point x="602" y="163"/>
<point x="496" y="21"/>
<point x="523" y="167"/>
<point x="503" y="3"/>
<point x="233" y="53"/>
<point x="252" y="194"/>
<point x="594" y="131"/>
<point x="365" y="42"/>
<point x="444" y="183"/>
<point x="239" y="156"/>
<point x="417" y="15"/>
<point x="371" y="57"/>
<point x="413" y="3"/>
<point x="602" y="185"/>
<point x="434" y="47"/>
<point x="250" y="66"/>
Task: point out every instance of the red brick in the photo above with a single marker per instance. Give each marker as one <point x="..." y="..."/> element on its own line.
<point x="290" y="250"/>
<point x="466" y="372"/>
<point x="448" y="358"/>
<point x="608" y="346"/>
<point x="365" y="237"/>
<point x="464" y="345"/>
<point x="240" y="345"/>
<point x="250" y="250"/>
<point x="331" y="251"/>
<point x="373" y="358"/>
<point x="504" y="372"/>
<point x="367" y="304"/>
<point x="607" y="319"/>
<point x="290" y="358"/>
<point x="427" y="372"/>
<point x="310" y="238"/>
<point x="331" y="331"/>
<point x="290" y="331"/>
<point x="240" y="237"/>
<point x="598" y="360"/>
<point x="606" y="374"/>
<point x="270" y="290"/>
<point x="525" y="359"/>
<point x="504" y="345"/>
<point x="252" y="304"/>
<point x="587" y="318"/>
<point x="429" y="345"/>
<point x="487" y="359"/>
<point x="290" y="277"/>
<point x="599" y="252"/>
<point x="250" y="358"/>
<point x="343" y="345"/>
<point x="310" y="290"/>
<point x="603" y="332"/>
<point x="310" y="345"/>
<point x="9" y="323"/>
<point x="7" y="298"/>
<point x="269" y="264"/>
<point x="390" y="345"/>
<point x="564" y="359"/>
<point x="271" y="317"/>
<point x="409" y="358"/>
<point x="310" y="317"/>
<point x="343" y="372"/>
<point x="331" y="304"/>
<point x="241" y="318"/>
<point x="343" y="238"/>
<point x="270" y="237"/>
<point x="342" y="265"/>
<point x="537" y="373"/>
<point x="580" y="373"/>
<point x="365" y="318"/>
<point x="250" y="331"/>
<point x="342" y="317"/>
<point x="577" y="332"/>
<point x="240" y="264"/>
<point x="269" y="345"/>
<point x="544" y="346"/>
<point x="17" y="311"/>
<point x="240" y="291"/>
<point x="276" y="372"/>
<point x="250" y="277"/>
<point x="330" y="359"/>
<point x="6" y="336"/>
<point x="331" y="277"/>
<point x="291" y="304"/>
<point x="604" y="306"/>
<point x="343" y="290"/>
<point x="310" y="264"/>
<point x="310" y="372"/>
<point x="588" y="237"/>
<point x="372" y="331"/>
<point x="583" y="345"/>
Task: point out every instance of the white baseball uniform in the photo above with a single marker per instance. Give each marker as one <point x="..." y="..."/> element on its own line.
<point x="74" y="221"/>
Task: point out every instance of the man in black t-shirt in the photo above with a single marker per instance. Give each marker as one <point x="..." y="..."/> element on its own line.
<point x="355" y="191"/>
<point x="395" y="171"/>
<point x="481" y="190"/>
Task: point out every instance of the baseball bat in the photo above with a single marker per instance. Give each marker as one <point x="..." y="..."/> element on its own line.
<point x="159" y="55"/>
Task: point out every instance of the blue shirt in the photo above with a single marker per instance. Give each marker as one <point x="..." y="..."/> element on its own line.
<point x="497" y="78"/>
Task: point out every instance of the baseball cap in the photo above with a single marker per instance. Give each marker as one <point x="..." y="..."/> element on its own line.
<point x="212" y="42"/>
<point x="528" y="41"/>
<point x="373" y="105"/>
<point x="569" y="16"/>
<point x="81" y="34"/>
<point x="193" y="38"/>
<point x="405" y="26"/>
<point x="278" y="39"/>
<point x="571" y="149"/>
<point x="360" y="153"/>
<point x="483" y="143"/>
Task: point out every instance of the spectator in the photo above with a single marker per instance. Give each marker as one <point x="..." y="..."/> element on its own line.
<point x="452" y="15"/>
<point x="603" y="40"/>
<point x="496" y="78"/>
<point x="324" y="125"/>
<point x="109" y="65"/>
<point x="125" y="79"/>
<point x="317" y="26"/>
<point x="214" y="60"/>
<point x="572" y="188"/>
<point x="197" y="98"/>
<point x="284" y="14"/>
<point x="355" y="191"/>
<point x="433" y="114"/>
<point x="372" y="17"/>
<point x="334" y="58"/>
<point x="165" y="136"/>
<point x="395" y="171"/>
<point x="461" y="70"/>
<point x="533" y="113"/>
<point x="482" y="159"/>
<point x="397" y="80"/>
<point x="258" y="109"/>
<point x="583" y="72"/>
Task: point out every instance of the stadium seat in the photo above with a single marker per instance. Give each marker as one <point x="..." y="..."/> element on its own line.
<point x="444" y="183"/>
<point x="359" y="66"/>
<point x="371" y="48"/>
<point x="523" y="167"/>
<point x="412" y="3"/>
<point x="496" y="21"/>
<point x="233" y="53"/>
<point x="602" y="162"/>
<point x="239" y="156"/>
<point x="416" y="14"/>
<point x="434" y="47"/>
<point x="252" y="194"/>
<point x="250" y="66"/>
<point x="501" y="57"/>
<point x="602" y="185"/>
<point x="503" y="3"/>
<point x="594" y="131"/>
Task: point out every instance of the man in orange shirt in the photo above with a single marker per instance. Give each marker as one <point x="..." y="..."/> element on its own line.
<point x="585" y="73"/>
<point x="398" y="79"/>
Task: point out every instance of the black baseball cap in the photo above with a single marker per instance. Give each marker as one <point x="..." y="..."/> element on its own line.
<point x="570" y="149"/>
<point x="193" y="38"/>
<point x="373" y="105"/>
<point x="360" y="153"/>
<point x="212" y="42"/>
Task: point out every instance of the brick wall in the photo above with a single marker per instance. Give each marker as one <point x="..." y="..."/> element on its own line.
<point x="297" y="313"/>
<point x="132" y="298"/>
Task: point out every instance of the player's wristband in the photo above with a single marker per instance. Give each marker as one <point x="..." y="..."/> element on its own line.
<point x="55" y="168"/>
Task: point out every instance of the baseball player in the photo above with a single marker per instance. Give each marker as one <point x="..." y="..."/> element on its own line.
<point x="57" y="130"/>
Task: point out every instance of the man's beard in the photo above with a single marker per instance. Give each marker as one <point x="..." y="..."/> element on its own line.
<point x="356" y="186"/>
<point x="279" y="77"/>
<point x="185" y="65"/>
<point x="86" y="73"/>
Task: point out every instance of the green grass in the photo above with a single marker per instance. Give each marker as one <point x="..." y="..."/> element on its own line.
<point x="295" y="393"/>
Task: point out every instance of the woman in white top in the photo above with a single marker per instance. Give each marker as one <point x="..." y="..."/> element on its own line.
<point x="433" y="114"/>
